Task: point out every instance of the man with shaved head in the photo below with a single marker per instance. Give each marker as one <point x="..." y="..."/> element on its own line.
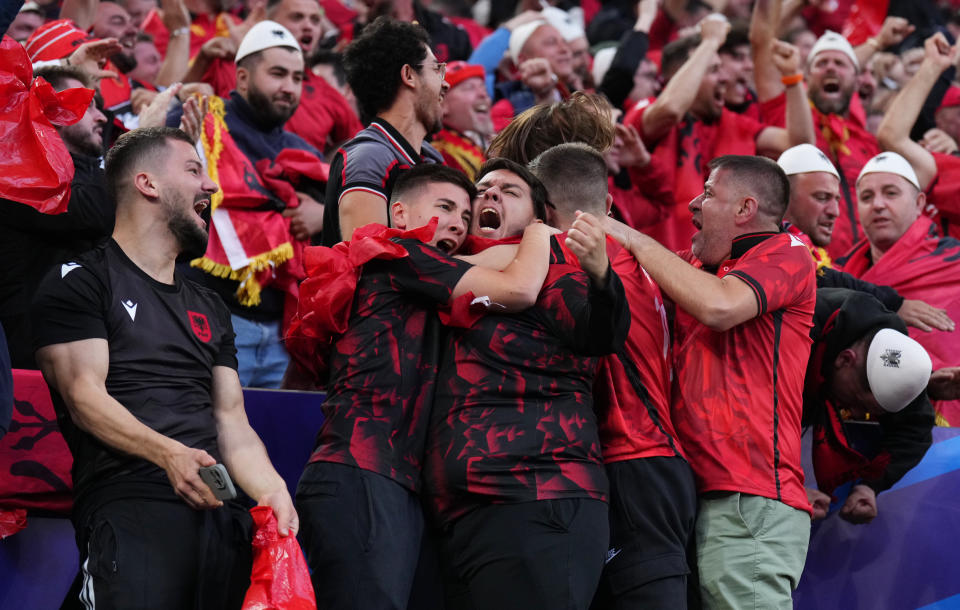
<point x="746" y="299"/>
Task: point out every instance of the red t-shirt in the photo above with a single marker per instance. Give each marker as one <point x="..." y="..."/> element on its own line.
<point x="920" y="265"/>
<point x="738" y="394"/>
<point x="943" y="195"/>
<point x="324" y="118"/>
<point x="849" y="145"/>
<point x="684" y="153"/>
<point x="632" y="390"/>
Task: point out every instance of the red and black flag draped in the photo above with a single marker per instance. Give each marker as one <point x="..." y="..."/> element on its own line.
<point x="921" y="265"/>
<point x="250" y="240"/>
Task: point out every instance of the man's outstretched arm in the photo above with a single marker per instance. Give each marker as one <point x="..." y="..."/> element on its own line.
<point x="718" y="303"/>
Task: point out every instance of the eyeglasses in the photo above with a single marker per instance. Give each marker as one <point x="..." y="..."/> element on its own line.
<point x="439" y="68"/>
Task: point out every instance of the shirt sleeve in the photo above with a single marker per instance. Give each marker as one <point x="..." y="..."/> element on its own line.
<point x="70" y="305"/>
<point x="366" y="167"/>
<point x="779" y="273"/>
<point x="426" y="271"/>
<point x="227" y="356"/>
<point x="832" y="278"/>
<point x="593" y="320"/>
<point x="944" y="191"/>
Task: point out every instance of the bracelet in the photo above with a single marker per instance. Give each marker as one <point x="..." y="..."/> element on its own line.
<point x="180" y="32"/>
<point x="793" y="79"/>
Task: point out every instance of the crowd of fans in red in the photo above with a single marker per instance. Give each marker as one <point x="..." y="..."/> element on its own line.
<point x="302" y="142"/>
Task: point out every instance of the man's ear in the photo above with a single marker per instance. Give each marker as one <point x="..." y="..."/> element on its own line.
<point x="408" y="76"/>
<point x="146" y="184"/>
<point x="398" y="215"/>
<point x="243" y="79"/>
<point x="747" y="210"/>
<point x="609" y="205"/>
<point x="845" y="358"/>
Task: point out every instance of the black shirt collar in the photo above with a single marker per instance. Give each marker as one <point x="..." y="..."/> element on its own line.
<point x="397" y="137"/>
<point x="744" y="242"/>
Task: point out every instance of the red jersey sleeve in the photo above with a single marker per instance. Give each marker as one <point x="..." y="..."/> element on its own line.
<point x="774" y="111"/>
<point x="944" y="191"/>
<point x="778" y="271"/>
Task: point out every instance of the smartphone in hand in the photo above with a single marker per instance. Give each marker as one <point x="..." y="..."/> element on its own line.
<point x="218" y="480"/>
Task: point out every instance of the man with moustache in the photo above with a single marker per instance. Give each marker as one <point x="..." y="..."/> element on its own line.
<point x="142" y="370"/>
<point x="688" y="124"/>
<point x="260" y="218"/>
<point x="467" y="127"/>
<point x="399" y="85"/>
<point x="32" y="242"/>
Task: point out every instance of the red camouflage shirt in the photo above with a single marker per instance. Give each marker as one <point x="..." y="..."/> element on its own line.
<point x="738" y="394"/>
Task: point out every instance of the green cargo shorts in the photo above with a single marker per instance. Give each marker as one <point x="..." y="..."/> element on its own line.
<point x="750" y="551"/>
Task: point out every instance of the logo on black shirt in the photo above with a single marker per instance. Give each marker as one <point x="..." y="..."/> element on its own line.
<point x="200" y="326"/>
<point x="131" y="308"/>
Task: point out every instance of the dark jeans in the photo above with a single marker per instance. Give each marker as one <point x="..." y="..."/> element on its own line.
<point x="653" y="509"/>
<point x="361" y="533"/>
<point x="544" y="554"/>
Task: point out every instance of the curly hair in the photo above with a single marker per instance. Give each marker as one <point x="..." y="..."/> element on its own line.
<point x="373" y="62"/>
<point x="584" y="117"/>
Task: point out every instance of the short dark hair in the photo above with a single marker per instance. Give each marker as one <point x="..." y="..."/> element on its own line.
<point x="584" y="117"/>
<point x="373" y="62"/>
<point x="575" y="176"/>
<point x="761" y="178"/>
<point x="538" y="192"/>
<point x="327" y="57"/>
<point x="738" y="36"/>
<point x="134" y="146"/>
<point x="58" y="76"/>
<point x="430" y="173"/>
<point x="675" y="54"/>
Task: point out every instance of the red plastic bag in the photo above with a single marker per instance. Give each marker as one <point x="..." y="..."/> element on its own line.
<point x="280" y="579"/>
<point x="12" y="521"/>
<point x="35" y="167"/>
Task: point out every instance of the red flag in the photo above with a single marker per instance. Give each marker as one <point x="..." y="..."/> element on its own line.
<point x="865" y="20"/>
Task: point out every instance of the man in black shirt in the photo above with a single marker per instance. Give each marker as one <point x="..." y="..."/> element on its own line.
<point x="362" y="521"/>
<point x="842" y="389"/>
<point x="32" y="242"/>
<point x="142" y="369"/>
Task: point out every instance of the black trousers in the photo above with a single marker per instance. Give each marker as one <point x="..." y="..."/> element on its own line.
<point x="529" y="556"/>
<point x="653" y="508"/>
<point x="138" y="553"/>
<point x="361" y="532"/>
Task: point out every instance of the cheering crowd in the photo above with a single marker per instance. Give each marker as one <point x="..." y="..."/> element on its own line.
<point x="574" y="279"/>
